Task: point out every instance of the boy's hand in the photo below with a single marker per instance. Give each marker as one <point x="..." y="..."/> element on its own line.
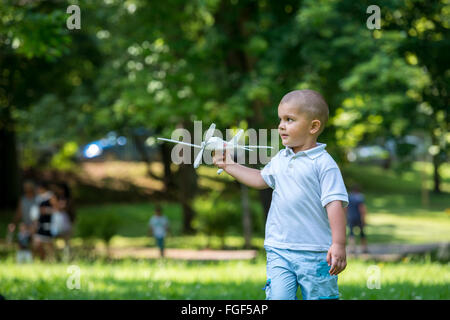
<point x="336" y="257"/>
<point x="222" y="159"/>
<point x="248" y="176"/>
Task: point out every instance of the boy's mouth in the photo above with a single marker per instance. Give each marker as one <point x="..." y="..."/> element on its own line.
<point x="283" y="136"/>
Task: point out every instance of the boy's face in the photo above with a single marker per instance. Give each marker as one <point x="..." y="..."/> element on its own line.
<point x="295" y="127"/>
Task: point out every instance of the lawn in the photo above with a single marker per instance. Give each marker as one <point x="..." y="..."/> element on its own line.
<point x="128" y="279"/>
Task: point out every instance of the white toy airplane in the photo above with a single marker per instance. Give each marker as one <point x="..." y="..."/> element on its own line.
<point x="215" y="143"/>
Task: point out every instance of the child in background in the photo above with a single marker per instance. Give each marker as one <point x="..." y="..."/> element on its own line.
<point x="24" y="240"/>
<point x="159" y="226"/>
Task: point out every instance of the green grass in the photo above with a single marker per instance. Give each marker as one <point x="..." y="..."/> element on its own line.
<point x="401" y="219"/>
<point x="209" y="280"/>
<point x="135" y="217"/>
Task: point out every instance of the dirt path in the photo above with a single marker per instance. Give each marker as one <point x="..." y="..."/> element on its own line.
<point x="384" y="252"/>
<point x="395" y="252"/>
<point x="183" y="254"/>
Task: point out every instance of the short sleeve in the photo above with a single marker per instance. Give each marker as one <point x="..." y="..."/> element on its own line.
<point x="332" y="187"/>
<point x="268" y="173"/>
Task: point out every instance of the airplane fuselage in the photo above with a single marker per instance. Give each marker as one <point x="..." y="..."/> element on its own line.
<point x="216" y="143"/>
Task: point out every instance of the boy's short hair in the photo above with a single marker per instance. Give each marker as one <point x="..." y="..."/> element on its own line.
<point x="310" y="102"/>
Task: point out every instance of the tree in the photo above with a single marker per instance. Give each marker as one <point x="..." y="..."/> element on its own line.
<point x="426" y="26"/>
<point x="30" y="40"/>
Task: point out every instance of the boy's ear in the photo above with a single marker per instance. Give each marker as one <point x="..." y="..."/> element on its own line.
<point x="315" y="126"/>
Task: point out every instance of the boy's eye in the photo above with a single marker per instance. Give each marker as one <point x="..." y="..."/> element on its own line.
<point x="289" y="119"/>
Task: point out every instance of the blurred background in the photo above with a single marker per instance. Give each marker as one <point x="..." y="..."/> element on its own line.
<point x="81" y="109"/>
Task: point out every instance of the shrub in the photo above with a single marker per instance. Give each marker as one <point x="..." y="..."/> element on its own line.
<point x="107" y="227"/>
<point x="216" y="214"/>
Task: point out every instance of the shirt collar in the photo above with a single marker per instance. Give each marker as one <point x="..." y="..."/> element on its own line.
<point x="311" y="153"/>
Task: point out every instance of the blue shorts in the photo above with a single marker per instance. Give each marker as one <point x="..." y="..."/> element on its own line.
<point x="288" y="269"/>
<point x="160" y="242"/>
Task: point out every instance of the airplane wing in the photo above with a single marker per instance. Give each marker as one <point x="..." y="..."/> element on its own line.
<point x="242" y="147"/>
<point x="180" y="142"/>
<point x="266" y="147"/>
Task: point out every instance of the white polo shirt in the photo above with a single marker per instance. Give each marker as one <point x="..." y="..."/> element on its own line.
<point x="303" y="184"/>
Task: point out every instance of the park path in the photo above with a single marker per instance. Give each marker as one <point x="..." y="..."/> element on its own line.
<point x="183" y="254"/>
<point x="395" y="252"/>
<point x="384" y="252"/>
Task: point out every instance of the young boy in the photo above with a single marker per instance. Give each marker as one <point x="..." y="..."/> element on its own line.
<point x="305" y="228"/>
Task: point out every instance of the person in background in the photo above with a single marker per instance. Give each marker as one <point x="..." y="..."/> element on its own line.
<point x="356" y="218"/>
<point x="61" y="223"/>
<point x="42" y="239"/>
<point x="24" y="240"/>
<point x="27" y="209"/>
<point x="159" y="226"/>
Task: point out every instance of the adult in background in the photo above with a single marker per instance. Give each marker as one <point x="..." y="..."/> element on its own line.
<point x="43" y="239"/>
<point x="63" y="217"/>
<point x="356" y="218"/>
<point x="27" y="209"/>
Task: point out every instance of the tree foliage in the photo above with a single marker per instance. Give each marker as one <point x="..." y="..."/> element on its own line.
<point x="162" y="65"/>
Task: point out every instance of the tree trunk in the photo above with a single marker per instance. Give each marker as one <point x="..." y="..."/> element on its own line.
<point x="167" y="161"/>
<point x="246" y="217"/>
<point x="436" y="177"/>
<point x="436" y="165"/>
<point x="9" y="168"/>
<point x="187" y="188"/>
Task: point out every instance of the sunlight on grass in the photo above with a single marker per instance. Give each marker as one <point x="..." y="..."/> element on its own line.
<point x="215" y="280"/>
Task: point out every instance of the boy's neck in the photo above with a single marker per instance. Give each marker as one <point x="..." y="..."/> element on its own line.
<point x="306" y="146"/>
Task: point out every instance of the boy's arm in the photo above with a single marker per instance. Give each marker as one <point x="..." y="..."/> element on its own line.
<point x="248" y="176"/>
<point x="336" y="256"/>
